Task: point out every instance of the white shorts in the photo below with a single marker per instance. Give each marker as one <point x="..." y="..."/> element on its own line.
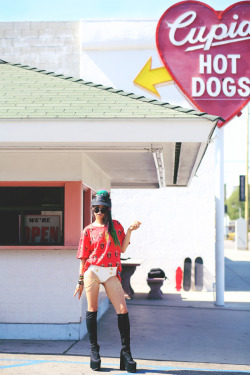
<point x="103" y="273"/>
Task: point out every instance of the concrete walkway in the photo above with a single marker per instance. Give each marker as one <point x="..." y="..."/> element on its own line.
<point x="182" y="334"/>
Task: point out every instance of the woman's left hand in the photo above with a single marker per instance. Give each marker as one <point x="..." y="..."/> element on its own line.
<point x="135" y="226"/>
<point x="78" y="290"/>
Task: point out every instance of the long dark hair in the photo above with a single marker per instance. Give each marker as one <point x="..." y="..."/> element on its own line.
<point x="110" y="227"/>
<point x="101" y="197"/>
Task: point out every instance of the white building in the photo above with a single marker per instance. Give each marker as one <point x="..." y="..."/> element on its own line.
<point x="61" y="133"/>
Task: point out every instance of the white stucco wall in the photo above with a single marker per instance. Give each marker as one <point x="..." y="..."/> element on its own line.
<point x="114" y="52"/>
<point x="41" y="286"/>
<point x="37" y="288"/>
<point x="176" y="223"/>
<point x="52" y="166"/>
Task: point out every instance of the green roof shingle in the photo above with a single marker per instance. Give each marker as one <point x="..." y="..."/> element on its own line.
<point x="34" y="93"/>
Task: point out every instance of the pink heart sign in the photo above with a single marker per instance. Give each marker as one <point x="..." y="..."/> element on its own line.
<point x="207" y="52"/>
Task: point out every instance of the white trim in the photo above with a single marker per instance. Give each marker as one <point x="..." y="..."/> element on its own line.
<point x="199" y="156"/>
<point x="104" y="131"/>
<point x="49" y="331"/>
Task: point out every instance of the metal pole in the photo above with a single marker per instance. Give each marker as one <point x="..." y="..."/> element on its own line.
<point x="219" y="207"/>
<point x="246" y="181"/>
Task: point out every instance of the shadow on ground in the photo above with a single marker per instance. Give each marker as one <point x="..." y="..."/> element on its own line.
<point x="189" y="372"/>
<point x="237" y="275"/>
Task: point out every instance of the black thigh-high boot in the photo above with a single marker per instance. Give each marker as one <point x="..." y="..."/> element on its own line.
<point x="126" y="361"/>
<point x="91" y="323"/>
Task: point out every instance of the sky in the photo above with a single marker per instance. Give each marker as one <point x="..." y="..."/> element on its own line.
<point x="63" y="10"/>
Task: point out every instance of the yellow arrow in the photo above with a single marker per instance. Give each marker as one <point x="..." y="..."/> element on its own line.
<point x="148" y="78"/>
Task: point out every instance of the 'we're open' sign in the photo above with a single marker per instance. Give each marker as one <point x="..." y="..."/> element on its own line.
<point x="42" y="229"/>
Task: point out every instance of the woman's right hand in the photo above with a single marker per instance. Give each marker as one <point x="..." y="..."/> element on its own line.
<point x="135" y="226"/>
<point x="79" y="290"/>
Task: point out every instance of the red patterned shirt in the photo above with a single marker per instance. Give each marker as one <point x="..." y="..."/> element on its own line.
<point x="98" y="247"/>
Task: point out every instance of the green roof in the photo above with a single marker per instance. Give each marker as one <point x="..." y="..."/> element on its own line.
<point x="31" y="93"/>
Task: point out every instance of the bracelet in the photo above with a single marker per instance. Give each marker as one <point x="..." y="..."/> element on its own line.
<point x="81" y="280"/>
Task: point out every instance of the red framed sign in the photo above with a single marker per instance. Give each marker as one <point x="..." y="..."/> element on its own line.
<point x="42" y="229"/>
<point x="207" y="52"/>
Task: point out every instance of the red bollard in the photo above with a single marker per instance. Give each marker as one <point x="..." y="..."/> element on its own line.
<point x="178" y="278"/>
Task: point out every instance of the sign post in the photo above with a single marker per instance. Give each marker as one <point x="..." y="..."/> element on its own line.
<point x="246" y="188"/>
<point x="219" y="208"/>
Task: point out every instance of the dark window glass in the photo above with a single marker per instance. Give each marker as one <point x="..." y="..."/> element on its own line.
<point x="31" y="215"/>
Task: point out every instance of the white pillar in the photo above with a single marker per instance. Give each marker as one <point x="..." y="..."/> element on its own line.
<point x="219" y="207"/>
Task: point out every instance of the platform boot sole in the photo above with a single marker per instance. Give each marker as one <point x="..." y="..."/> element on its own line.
<point x="95" y="365"/>
<point x="125" y="365"/>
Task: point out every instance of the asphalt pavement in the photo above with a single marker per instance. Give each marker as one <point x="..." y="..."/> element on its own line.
<point x="182" y="334"/>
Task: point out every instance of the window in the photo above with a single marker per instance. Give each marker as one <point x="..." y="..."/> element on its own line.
<point x="31" y="216"/>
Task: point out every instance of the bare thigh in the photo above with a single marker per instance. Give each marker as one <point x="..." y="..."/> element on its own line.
<point x="91" y="286"/>
<point x="115" y="294"/>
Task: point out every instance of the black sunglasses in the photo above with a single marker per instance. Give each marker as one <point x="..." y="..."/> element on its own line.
<point x="103" y="210"/>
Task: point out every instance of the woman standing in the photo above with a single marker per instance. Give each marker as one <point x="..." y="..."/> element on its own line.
<point x="99" y="250"/>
